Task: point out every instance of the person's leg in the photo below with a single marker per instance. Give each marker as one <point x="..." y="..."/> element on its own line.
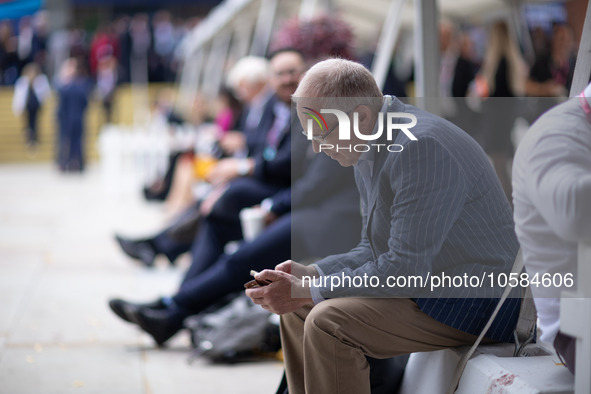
<point x="169" y="241"/>
<point x="63" y="145"/>
<point x="172" y="241"/>
<point x="325" y="347"/>
<point x="241" y="193"/>
<point x="209" y="246"/>
<point x="226" y="276"/>
<point x="292" y="346"/>
<point x="222" y="225"/>
<point x="75" y="159"/>
<point x="32" y="125"/>
<point x="229" y="272"/>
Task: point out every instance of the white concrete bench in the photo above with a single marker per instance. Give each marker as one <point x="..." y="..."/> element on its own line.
<point x="492" y="369"/>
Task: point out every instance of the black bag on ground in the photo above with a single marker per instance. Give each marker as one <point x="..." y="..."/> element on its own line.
<point x="238" y="331"/>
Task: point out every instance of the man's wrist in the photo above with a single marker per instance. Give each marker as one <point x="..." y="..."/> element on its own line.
<point x="267" y="204"/>
<point x="315" y="294"/>
<point x="245" y="167"/>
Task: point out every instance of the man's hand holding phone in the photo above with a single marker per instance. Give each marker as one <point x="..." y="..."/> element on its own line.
<point x="255" y="282"/>
<point x="276" y="294"/>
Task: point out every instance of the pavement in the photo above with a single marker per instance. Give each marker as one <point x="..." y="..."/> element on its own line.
<point x="59" y="265"/>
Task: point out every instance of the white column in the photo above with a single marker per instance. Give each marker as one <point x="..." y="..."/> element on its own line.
<point x="386" y="43"/>
<point x="427" y="57"/>
<point x="189" y="80"/>
<point x="264" y="27"/>
<point x="216" y="61"/>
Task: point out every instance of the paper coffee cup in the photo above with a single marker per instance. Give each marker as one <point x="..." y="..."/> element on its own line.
<point x="252" y="221"/>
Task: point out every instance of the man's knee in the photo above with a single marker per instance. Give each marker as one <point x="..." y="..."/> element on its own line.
<point x="325" y="317"/>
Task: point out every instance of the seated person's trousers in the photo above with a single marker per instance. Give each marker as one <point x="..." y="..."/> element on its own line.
<point x="324" y="347"/>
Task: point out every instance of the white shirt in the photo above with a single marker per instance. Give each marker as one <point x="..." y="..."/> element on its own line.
<point x="552" y="199"/>
<point x="21" y="91"/>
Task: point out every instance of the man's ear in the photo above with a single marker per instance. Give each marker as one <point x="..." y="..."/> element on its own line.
<point x="364" y="115"/>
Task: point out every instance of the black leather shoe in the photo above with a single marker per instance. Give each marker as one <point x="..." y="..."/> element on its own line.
<point x="125" y="309"/>
<point x="139" y="250"/>
<point x="161" y="324"/>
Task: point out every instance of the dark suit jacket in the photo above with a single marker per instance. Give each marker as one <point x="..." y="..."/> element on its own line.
<point x="435" y="207"/>
<point x="255" y="132"/>
<point x="274" y="171"/>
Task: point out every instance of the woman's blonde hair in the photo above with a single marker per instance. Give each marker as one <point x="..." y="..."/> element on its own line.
<point x="501" y="44"/>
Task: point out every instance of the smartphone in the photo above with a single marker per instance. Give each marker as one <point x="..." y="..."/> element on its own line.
<point x="255" y="283"/>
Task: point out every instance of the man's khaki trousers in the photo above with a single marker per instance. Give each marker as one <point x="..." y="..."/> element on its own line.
<point x="324" y="346"/>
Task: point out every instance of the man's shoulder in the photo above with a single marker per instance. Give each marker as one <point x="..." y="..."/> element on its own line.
<point x="429" y="124"/>
<point x="553" y="124"/>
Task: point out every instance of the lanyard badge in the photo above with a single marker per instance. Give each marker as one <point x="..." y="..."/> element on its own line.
<point x="585" y="104"/>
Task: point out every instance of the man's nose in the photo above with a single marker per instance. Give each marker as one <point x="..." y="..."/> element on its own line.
<point x="288" y="79"/>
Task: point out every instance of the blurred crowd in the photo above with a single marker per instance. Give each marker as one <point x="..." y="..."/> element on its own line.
<point x="496" y="78"/>
<point x="117" y="43"/>
<point x="76" y="63"/>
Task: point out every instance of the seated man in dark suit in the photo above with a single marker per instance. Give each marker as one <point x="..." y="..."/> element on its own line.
<point x="321" y="200"/>
<point x="432" y="205"/>
<point x="240" y="182"/>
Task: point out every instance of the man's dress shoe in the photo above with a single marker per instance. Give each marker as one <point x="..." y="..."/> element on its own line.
<point x="139" y="250"/>
<point x="125" y="309"/>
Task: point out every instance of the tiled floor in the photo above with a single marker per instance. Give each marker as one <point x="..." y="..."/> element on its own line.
<point x="59" y="265"/>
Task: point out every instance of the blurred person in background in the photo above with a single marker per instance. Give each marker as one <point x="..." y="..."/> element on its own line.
<point x="247" y="80"/>
<point x="104" y="44"/>
<point x="552" y="73"/>
<point x="73" y="89"/>
<point x="25" y="42"/>
<point x="540" y="42"/>
<point x="264" y="111"/>
<point x="141" y="42"/>
<point x="30" y="91"/>
<point x="466" y="67"/>
<point x="449" y="49"/>
<point x="465" y="71"/>
<point x="40" y="38"/>
<point x="229" y="112"/>
<point x="32" y="39"/>
<point x="9" y="63"/>
<point x="501" y="77"/>
<point x="121" y="31"/>
<point x="107" y="77"/>
<point x="164" y="45"/>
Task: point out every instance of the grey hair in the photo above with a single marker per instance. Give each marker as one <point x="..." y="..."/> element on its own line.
<point x="341" y="80"/>
<point x="250" y="69"/>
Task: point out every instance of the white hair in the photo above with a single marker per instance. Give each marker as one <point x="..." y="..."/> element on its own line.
<point x="250" y="69"/>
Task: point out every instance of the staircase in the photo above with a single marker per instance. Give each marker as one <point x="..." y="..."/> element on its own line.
<point x="12" y="136"/>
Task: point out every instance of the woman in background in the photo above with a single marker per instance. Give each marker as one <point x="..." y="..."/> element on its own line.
<point x="30" y="91"/>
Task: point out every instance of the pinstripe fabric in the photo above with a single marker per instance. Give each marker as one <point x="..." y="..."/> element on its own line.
<point x="437" y="206"/>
